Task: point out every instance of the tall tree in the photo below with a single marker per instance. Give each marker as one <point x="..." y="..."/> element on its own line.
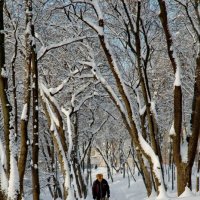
<point x="184" y="167"/>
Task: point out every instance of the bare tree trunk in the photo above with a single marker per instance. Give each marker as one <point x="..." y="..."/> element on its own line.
<point x="88" y="175"/>
<point x="184" y="170"/>
<point x="132" y="126"/>
<point x="58" y="137"/>
<point x="35" y="144"/>
<point x="82" y="190"/>
<point x="15" y="107"/>
<point x="27" y="96"/>
<point x="6" y="106"/>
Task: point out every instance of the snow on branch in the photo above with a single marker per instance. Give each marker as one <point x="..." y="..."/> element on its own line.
<point x="80" y="90"/>
<point x="69" y="129"/>
<point x="57" y="89"/>
<point x="177" y="81"/>
<point x="95" y="27"/>
<point x="45" y="91"/>
<point x="91" y="63"/>
<point x="52" y="116"/>
<point x="142" y="110"/>
<point x="94" y="3"/>
<point x="107" y="86"/>
<point x="43" y="50"/>
<point x="156" y="165"/>
<point x="91" y="138"/>
<point x="54" y="129"/>
<point x="172" y="130"/>
<point x="13" y="188"/>
<point x="82" y="101"/>
<point x="24" y="112"/>
<point x="4" y="180"/>
<point x="2" y="154"/>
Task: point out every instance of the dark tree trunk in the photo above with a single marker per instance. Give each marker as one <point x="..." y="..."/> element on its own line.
<point x="35" y="144"/>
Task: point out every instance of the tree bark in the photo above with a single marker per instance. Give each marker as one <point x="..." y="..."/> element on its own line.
<point x="6" y="106"/>
<point x="184" y="169"/>
<point x="59" y="140"/>
<point x="35" y="118"/>
<point x="27" y="95"/>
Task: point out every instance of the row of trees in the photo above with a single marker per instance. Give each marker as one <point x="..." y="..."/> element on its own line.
<point x="97" y="69"/>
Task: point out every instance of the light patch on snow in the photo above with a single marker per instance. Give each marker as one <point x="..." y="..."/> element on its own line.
<point x="187" y="193"/>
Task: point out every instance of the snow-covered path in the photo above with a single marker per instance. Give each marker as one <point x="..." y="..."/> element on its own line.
<point x="119" y="189"/>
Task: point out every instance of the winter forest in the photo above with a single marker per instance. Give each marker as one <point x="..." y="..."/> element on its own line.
<point x="99" y="84"/>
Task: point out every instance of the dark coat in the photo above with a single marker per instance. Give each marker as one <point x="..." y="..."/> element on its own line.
<point x="100" y="189"/>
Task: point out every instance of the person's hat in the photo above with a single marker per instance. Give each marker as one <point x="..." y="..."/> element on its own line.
<point x="99" y="176"/>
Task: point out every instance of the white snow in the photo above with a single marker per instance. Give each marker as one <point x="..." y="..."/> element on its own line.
<point x="187" y="193"/>
<point x="153" y="109"/>
<point x="43" y="50"/>
<point x="2" y="154"/>
<point x="172" y="131"/>
<point x="98" y="9"/>
<point x="177" y="81"/>
<point x="120" y="190"/>
<point x="156" y="165"/>
<point x="35" y="166"/>
<point x="69" y="129"/>
<point x="184" y="151"/>
<point x="24" y="112"/>
<point x="4" y="73"/>
<point x="13" y="187"/>
<point x="97" y="28"/>
<point x="142" y="110"/>
<point x="3" y="178"/>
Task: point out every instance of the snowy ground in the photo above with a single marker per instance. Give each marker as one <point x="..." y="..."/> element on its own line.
<point x="120" y="191"/>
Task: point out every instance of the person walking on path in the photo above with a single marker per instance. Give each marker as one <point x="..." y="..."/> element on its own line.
<point x="100" y="188"/>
